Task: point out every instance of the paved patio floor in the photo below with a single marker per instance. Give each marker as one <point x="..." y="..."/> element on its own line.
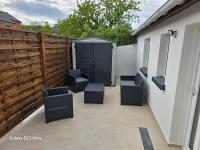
<point x="94" y="127"/>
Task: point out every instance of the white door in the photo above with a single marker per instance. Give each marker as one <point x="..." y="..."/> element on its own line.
<point x="192" y="141"/>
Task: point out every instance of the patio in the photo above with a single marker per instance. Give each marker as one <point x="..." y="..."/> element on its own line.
<point x="43" y="76"/>
<point x="102" y="127"/>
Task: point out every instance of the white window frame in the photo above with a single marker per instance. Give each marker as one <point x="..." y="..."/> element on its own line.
<point x="147" y="42"/>
<point x="163" y="54"/>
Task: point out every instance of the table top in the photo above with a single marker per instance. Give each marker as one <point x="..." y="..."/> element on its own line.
<point x="127" y="83"/>
<point x="95" y="87"/>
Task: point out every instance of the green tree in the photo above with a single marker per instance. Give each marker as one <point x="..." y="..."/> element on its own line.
<point x="34" y="26"/>
<point x="27" y="27"/>
<point x="116" y="12"/>
<point x="120" y="34"/>
<point x="71" y="27"/>
<point x="41" y="27"/>
<point x="110" y="19"/>
<point x="47" y="28"/>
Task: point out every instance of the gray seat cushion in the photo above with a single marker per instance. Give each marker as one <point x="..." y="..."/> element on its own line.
<point x="127" y="83"/>
<point x="80" y="80"/>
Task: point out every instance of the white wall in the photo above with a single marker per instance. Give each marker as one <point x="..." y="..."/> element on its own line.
<point x="114" y="53"/>
<point x="164" y="104"/>
<point x="126" y="60"/>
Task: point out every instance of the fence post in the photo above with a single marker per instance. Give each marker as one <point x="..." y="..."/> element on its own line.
<point x="68" y="53"/>
<point x="42" y="45"/>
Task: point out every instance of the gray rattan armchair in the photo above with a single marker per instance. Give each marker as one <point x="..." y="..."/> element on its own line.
<point x="131" y="88"/>
<point x="77" y="80"/>
<point x="58" y="103"/>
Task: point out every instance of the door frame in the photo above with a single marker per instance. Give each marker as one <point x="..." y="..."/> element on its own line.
<point x="191" y="113"/>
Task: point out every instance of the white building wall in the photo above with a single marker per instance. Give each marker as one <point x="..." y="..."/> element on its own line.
<point x="126" y="60"/>
<point x="163" y="103"/>
<point x="114" y="53"/>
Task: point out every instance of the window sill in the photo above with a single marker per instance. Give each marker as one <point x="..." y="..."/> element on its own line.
<point x="159" y="81"/>
<point x="144" y="71"/>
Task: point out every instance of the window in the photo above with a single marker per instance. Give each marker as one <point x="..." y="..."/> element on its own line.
<point x="144" y="68"/>
<point x="159" y="80"/>
<point x="163" y="55"/>
<point x="146" y="53"/>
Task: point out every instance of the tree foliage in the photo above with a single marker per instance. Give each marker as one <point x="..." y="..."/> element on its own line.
<point x="39" y="27"/>
<point x="115" y="12"/>
<point x="110" y="19"/>
<point x="120" y="34"/>
<point x="26" y="27"/>
<point x="47" y="28"/>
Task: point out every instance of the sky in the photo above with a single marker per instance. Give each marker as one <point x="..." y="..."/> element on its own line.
<point x="29" y="11"/>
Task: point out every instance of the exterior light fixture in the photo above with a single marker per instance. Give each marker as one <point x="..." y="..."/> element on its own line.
<point x="173" y="33"/>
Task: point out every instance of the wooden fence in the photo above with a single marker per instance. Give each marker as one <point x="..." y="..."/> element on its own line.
<point x="27" y="60"/>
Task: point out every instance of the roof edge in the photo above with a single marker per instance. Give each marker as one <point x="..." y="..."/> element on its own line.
<point x="163" y="10"/>
<point x="93" y="39"/>
<point x="13" y="19"/>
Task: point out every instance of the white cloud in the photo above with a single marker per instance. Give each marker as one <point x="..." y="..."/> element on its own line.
<point x="51" y="10"/>
<point x="38" y="10"/>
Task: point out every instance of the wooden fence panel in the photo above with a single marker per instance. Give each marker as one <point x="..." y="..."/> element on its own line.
<point x="56" y="61"/>
<point x="27" y="60"/>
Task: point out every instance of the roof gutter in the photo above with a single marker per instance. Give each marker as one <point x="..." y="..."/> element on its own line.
<point x="161" y="12"/>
